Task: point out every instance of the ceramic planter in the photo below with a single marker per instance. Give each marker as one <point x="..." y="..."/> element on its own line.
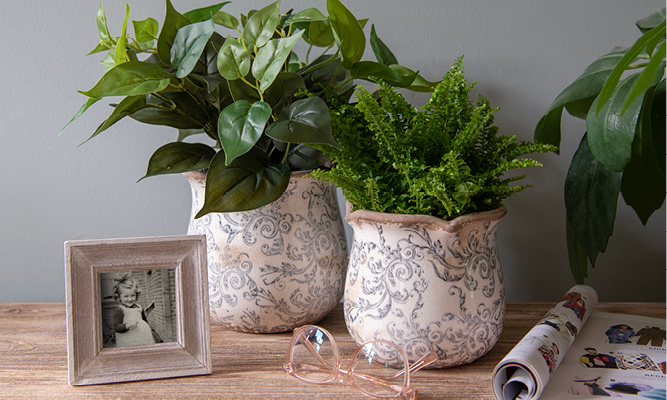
<point x="426" y="284"/>
<point x="276" y="267"/>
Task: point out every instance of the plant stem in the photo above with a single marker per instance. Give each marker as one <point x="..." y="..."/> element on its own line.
<point x="284" y="161"/>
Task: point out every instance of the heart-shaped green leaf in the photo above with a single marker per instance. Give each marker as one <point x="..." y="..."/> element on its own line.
<point x="261" y="25"/>
<point x="226" y="20"/>
<point x="204" y="13"/>
<point x="305" y="121"/>
<point x="348" y="33"/>
<point x="247" y="183"/>
<point x="188" y="46"/>
<point x="419" y="84"/>
<point x="120" y="55"/>
<point x="370" y="69"/>
<point x="611" y="132"/>
<point x="173" y="21"/>
<point x="128" y="79"/>
<point x="145" y="30"/>
<point x="240" y="126"/>
<point x="320" y="34"/>
<point x="381" y="51"/>
<point x="271" y="58"/>
<point x="233" y="60"/>
<point x="178" y="157"/>
<point x="591" y="196"/>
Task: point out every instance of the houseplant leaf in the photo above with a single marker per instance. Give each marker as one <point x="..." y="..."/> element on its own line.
<point x="178" y="157"/>
<point x="225" y="19"/>
<point x="610" y="132"/>
<point x="271" y="58"/>
<point x="577" y="97"/>
<point x="188" y="46"/>
<point x="103" y="29"/>
<point x="204" y="13"/>
<point x="643" y="183"/>
<point x="305" y="121"/>
<point x="173" y="21"/>
<point x="381" y="51"/>
<point x="249" y="182"/>
<point x="145" y="30"/>
<point x="371" y="69"/>
<point x="591" y="196"/>
<point x="347" y="32"/>
<point x="654" y="69"/>
<point x="233" y="60"/>
<point x="658" y="123"/>
<point x="184" y="114"/>
<point x="82" y="110"/>
<point x="127" y="106"/>
<point x="119" y="54"/>
<point x="130" y="78"/>
<point x="240" y="126"/>
<point x="623" y="63"/>
<point x="576" y="254"/>
<point x="419" y="84"/>
<point x="650" y="22"/>
<point x="320" y="34"/>
<point x="260" y="26"/>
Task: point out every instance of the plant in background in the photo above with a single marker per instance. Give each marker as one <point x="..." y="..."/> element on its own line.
<point x="623" y="148"/>
<point x="445" y="159"/>
<point x="248" y="92"/>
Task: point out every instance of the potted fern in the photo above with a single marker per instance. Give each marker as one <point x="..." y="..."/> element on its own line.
<point x="276" y="245"/>
<point x="425" y="190"/>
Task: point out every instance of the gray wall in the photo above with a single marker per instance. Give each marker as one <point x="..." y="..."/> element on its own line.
<point x="522" y="52"/>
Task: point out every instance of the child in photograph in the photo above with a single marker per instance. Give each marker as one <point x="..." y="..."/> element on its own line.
<point x="129" y="319"/>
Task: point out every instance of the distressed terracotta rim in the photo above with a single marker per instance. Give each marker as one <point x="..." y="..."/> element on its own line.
<point x="360" y="217"/>
<point x="201" y="176"/>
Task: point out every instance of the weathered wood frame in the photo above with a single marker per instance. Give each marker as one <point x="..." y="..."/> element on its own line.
<point x="90" y="363"/>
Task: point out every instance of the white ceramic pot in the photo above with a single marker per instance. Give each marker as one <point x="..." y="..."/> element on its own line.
<point x="276" y="267"/>
<point x="426" y="284"/>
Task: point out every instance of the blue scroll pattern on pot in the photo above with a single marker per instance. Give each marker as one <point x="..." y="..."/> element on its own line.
<point x="279" y="266"/>
<point x="426" y="289"/>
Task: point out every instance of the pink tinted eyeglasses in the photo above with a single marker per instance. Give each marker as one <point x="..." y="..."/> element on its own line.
<point x="377" y="369"/>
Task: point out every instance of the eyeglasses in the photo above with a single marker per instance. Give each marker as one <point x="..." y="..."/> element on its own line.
<point x="377" y="369"/>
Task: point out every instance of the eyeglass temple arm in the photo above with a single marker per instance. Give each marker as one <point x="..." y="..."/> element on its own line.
<point x="314" y="352"/>
<point x="426" y="359"/>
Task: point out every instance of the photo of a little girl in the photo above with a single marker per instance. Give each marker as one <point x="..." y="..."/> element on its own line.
<point x="126" y="321"/>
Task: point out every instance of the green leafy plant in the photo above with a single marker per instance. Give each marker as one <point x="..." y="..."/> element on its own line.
<point x="248" y="92"/>
<point x="445" y="159"/>
<point x="622" y="150"/>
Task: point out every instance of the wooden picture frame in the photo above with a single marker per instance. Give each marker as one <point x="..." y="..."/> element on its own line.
<point x="183" y="258"/>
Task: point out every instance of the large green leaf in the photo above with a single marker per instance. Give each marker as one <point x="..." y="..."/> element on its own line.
<point x="632" y="53"/>
<point x="271" y="58"/>
<point x="225" y="19"/>
<point x="145" y="30"/>
<point x="82" y="110"/>
<point x="591" y="197"/>
<point x="650" y="22"/>
<point x="653" y="72"/>
<point x="381" y="51"/>
<point x="233" y="60"/>
<point x="348" y="33"/>
<point x="126" y="107"/>
<point x="240" y="126"/>
<point x="173" y="21"/>
<point x="178" y="157"/>
<point x="610" y="132"/>
<point x="643" y="184"/>
<point x="577" y="97"/>
<point x="304" y="121"/>
<point x="249" y="182"/>
<point x="576" y="255"/>
<point x="128" y="79"/>
<point x="103" y="29"/>
<point x="261" y="25"/>
<point x="188" y="46"/>
<point x="204" y="13"/>
<point x="658" y="127"/>
<point x="120" y="55"/>
<point x="307" y="15"/>
<point x="371" y="69"/>
<point x="184" y="114"/>
<point x="419" y="84"/>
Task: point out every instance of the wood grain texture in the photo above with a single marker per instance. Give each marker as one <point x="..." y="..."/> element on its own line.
<point x="33" y="361"/>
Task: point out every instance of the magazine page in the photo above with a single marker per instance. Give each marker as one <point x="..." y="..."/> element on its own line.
<point x="527" y="368"/>
<point x="616" y="355"/>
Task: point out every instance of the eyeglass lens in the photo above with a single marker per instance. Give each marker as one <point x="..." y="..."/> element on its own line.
<point x="378" y="369"/>
<point x="313" y="356"/>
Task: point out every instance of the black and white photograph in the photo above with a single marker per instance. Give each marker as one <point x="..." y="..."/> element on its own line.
<point x="138" y="307"/>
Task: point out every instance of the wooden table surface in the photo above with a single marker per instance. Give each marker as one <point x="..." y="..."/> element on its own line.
<point x="33" y="361"/>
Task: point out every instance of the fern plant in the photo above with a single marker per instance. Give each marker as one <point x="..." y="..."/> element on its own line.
<point x="445" y="159"/>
